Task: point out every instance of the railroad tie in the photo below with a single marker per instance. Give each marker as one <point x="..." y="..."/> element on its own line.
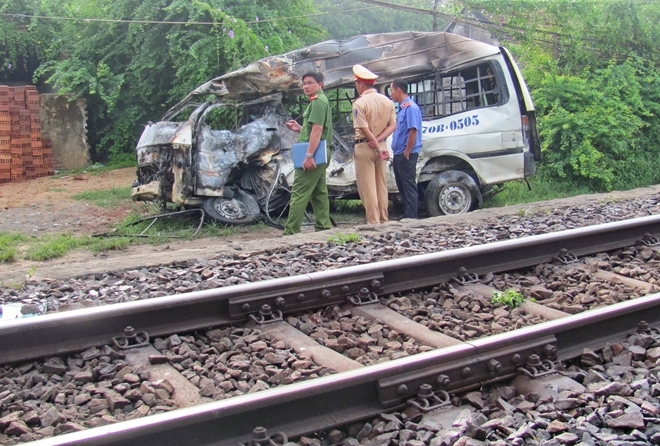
<point x="531" y="308"/>
<point x="304" y="345"/>
<point x="186" y="394"/>
<point x="403" y="325"/>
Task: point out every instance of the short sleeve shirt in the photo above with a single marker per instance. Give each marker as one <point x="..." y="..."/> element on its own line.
<point x="317" y="112"/>
<point x="409" y="117"/>
<point x="373" y="111"/>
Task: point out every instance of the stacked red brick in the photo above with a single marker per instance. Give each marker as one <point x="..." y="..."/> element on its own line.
<point x="23" y="153"/>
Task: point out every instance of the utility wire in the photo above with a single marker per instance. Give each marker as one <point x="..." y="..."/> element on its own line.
<point x="484" y="23"/>
<point x="162" y="22"/>
<point x="503" y="28"/>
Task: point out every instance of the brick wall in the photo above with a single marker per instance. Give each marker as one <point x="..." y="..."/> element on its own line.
<point x="24" y="154"/>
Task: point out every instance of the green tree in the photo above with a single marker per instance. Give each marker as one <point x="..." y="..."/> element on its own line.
<point x="21" y="37"/>
<point x="592" y="70"/>
<point x="132" y="71"/>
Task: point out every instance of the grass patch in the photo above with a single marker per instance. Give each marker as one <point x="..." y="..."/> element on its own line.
<point x="516" y="192"/>
<point x="179" y="226"/>
<point x="347" y="211"/>
<point x="57" y="189"/>
<point x="103" y="244"/>
<point x="137" y="229"/>
<point x="132" y="231"/>
<point x="347" y="206"/>
<point x="105" y="198"/>
<point x="9" y="246"/>
<point x="50" y="247"/>
<point x="342" y="239"/>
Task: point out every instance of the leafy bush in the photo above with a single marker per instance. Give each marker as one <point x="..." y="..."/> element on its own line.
<point x="592" y="71"/>
<point x="591" y="125"/>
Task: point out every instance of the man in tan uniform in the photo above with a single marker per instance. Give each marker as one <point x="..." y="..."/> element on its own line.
<point x="374" y="120"/>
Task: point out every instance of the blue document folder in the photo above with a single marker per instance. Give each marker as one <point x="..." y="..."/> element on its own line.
<point x="299" y="150"/>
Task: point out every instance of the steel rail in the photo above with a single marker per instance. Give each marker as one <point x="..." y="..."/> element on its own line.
<point x="334" y="400"/>
<point x="60" y="333"/>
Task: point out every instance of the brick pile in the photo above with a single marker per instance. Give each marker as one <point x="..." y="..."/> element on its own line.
<point x="24" y="155"/>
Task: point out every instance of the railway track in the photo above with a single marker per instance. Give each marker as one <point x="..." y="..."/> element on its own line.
<point x="444" y="365"/>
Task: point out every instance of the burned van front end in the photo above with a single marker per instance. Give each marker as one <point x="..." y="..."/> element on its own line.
<point x="164" y="156"/>
<point x="234" y="176"/>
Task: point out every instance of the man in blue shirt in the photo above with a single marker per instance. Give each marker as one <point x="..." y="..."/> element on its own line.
<point x="406" y="145"/>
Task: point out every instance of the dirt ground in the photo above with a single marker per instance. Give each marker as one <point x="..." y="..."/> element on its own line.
<point x="44" y="205"/>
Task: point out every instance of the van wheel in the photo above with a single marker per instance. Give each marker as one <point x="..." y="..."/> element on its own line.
<point x="451" y="192"/>
<point x="240" y="209"/>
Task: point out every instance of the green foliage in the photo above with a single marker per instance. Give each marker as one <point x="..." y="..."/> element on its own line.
<point x="510" y="298"/>
<point x="21" y="37"/>
<point x="131" y="73"/>
<point x="592" y="71"/>
<point x="578" y="34"/>
<point x="342" y="239"/>
<point x="94" y="169"/>
<point x="145" y="230"/>
<point x="105" y="198"/>
<point x="592" y="67"/>
<point x="590" y="124"/>
<point x="347" y="211"/>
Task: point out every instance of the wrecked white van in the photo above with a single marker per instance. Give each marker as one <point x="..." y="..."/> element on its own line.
<point x="479" y="127"/>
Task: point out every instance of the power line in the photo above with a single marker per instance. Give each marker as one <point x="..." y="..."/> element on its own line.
<point x="486" y="24"/>
<point x="158" y="22"/>
<point x="407" y="7"/>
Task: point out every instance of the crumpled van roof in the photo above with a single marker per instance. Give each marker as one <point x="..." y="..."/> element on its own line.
<point x="389" y="55"/>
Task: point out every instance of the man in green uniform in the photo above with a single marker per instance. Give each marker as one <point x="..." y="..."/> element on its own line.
<point x="309" y="182"/>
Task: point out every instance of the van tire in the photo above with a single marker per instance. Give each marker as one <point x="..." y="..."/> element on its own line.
<point x="451" y="192"/>
<point x="240" y="209"/>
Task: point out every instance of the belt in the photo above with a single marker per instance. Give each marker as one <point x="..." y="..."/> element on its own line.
<point x="358" y="141"/>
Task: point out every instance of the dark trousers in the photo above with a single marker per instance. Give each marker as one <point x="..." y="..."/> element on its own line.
<point x="404" y="173"/>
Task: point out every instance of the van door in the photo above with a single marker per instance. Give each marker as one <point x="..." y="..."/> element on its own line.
<point x="526" y="105"/>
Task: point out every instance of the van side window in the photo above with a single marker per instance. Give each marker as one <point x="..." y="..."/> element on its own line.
<point x="444" y="94"/>
<point x="341" y="103"/>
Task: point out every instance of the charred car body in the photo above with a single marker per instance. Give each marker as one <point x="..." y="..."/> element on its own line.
<point x="479" y="127"/>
